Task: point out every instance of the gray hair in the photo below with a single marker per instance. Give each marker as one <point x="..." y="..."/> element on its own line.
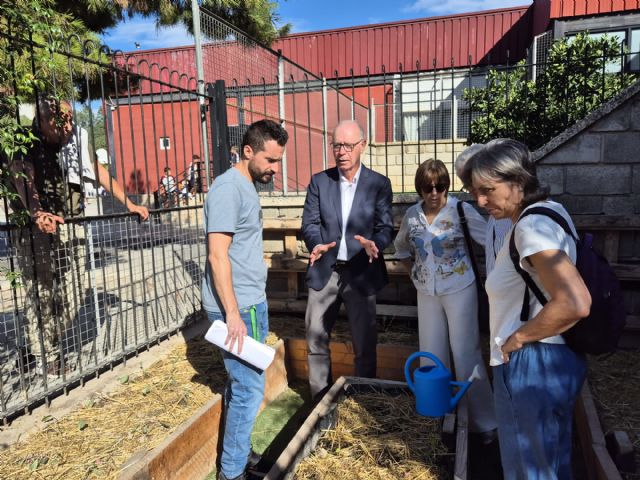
<point x="506" y="160"/>
<point x="465" y="155"/>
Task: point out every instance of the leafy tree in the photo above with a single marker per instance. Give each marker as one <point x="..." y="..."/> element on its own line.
<point x="255" y="17"/>
<point x="580" y="74"/>
<point x="32" y="34"/>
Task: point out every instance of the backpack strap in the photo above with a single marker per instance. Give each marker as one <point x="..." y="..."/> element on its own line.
<point x="467" y="240"/>
<point x="515" y="256"/>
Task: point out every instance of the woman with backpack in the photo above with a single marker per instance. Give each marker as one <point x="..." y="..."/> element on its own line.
<point x="536" y="376"/>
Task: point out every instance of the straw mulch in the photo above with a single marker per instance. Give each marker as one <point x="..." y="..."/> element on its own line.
<point x="95" y="440"/>
<point x="615" y="384"/>
<point x="394" y="331"/>
<point x="378" y="436"/>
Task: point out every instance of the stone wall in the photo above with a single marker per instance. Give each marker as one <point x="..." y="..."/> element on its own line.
<point x="594" y="167"/>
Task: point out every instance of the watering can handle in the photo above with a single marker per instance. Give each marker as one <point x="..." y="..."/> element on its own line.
<point x="412" y="357"/>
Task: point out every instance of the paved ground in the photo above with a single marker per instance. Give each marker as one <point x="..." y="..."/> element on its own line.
<point x="142" y="280"/>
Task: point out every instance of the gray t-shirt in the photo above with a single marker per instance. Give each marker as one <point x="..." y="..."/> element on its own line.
<point x="233" y="206"/>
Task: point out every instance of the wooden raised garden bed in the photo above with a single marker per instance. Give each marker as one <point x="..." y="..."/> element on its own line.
<point x="597" y="460"/>
<point x="390" y="359"/>
<point x="452" y="431"/>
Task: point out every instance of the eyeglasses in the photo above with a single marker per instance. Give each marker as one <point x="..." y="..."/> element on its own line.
<point x="440" y="187"/>
<point x="348" y="147"/>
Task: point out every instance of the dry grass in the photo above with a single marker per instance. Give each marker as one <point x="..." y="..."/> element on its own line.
<point x="378" y="436"/>
<point x="615" y="384"/>
<point x="96" y="439"/>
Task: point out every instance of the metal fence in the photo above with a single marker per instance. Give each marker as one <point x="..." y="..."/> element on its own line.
<point x="415" y="113"/>
<point x="434" y="113"/>
<point x="106" y="284"/>
<point x="260" y="83"/>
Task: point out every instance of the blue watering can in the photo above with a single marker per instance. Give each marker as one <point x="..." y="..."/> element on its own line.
<point x="432" y="386"/>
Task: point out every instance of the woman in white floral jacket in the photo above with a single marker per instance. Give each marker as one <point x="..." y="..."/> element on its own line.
<point x="431" y="245"/>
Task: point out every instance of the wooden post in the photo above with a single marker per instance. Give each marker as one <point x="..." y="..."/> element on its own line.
<point x="291" y="251"/>
<point x="611" y="241"/>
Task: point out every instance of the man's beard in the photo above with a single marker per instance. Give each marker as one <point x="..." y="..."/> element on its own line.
<point x="258" y="176"/>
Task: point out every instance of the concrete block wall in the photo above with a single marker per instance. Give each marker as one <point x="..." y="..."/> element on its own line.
<point x="594" y="167"/>
<point x="399" y="161"/>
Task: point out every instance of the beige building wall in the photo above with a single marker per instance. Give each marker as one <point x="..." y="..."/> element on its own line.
<point x="399" y="161"/>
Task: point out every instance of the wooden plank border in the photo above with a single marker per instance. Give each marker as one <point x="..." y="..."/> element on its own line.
<point x="598" y="462"/>
<point x="390" y="359"/>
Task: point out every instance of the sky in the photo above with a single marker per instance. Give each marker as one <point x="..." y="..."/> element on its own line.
<point x="306" y="16"/>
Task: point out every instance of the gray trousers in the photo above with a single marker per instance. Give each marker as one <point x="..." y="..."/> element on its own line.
<point x="322" y="312"/>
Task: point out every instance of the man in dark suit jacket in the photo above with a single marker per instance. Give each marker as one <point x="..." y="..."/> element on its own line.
<point x="346" y="225"/>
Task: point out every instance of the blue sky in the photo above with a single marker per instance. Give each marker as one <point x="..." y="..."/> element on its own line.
<point x="305" y="16"/>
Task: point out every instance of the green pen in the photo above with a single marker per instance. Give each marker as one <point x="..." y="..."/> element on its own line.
<point x="254" y="322"/>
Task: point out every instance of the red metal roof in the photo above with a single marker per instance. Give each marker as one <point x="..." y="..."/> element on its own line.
<point x="576" y="8"/>
<point x="483" y="36"/>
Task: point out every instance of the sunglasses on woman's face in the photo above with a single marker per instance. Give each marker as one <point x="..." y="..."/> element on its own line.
<point x="440" y="187"/>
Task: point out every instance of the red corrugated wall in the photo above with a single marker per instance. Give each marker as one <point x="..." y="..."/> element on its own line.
<point x="575" y="8"/>
<point x="138" y="160"/>
<point x="443" y="39"/>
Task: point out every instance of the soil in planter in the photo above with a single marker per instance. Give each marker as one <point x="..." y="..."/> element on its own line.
<point x="378" y="436"/>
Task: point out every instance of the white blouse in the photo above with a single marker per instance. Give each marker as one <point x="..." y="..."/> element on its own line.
<point x="440" y="262"/>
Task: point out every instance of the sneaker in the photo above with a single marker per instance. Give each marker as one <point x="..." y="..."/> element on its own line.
<point x="253" y="459"/>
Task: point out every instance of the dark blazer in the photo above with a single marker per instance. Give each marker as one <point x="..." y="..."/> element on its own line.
<point x="370" y="217"/>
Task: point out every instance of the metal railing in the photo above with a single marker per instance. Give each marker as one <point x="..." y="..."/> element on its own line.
<point x="106" y="284"/>
<point x="261" y="83"/>
<point x="418" y="112"/>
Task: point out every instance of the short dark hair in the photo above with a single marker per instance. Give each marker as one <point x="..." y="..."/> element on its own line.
<point x="431" y="171"/>
<point x="262" y="131"/>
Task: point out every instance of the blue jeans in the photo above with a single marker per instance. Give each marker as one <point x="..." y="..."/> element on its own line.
<point x="534" y="398"/>
<point x="243" y="396"/>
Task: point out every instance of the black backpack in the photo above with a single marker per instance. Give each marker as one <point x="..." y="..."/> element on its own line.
<point x="599" y="332"/>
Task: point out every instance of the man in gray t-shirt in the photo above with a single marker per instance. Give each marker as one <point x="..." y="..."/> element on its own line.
<point x="233" y="206"/>
<point x="233" y="287"/>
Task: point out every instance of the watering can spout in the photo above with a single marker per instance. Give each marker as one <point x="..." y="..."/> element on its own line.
<point x="464" y="386"/>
